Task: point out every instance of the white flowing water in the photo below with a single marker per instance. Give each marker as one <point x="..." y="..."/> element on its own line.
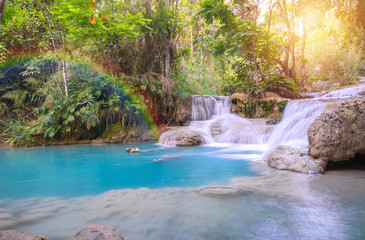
<point x="205" y="107"/>
<point x="212" y="118"/>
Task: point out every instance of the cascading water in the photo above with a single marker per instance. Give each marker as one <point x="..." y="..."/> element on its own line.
<point x="212" y="118"/>
<point x="294" y="124"/>
<point x="299" y="114"/>
<point x="205" y="107"/>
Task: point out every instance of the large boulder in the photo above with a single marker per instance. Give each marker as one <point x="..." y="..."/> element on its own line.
<point x="295" y="159"/>
<point x="338" y="134"/>
<point x="98" y="232"/>
<point x="18" y="235"/>
<point x="181" y="137"/>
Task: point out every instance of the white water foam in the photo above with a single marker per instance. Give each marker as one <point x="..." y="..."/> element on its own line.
<point x="213" y="119"/>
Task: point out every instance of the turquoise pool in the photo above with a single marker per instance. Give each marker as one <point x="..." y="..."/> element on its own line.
<point x="55" y="191"/>
<point x="80" y="170"/>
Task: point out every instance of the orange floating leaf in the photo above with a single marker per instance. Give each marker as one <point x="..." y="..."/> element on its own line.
<point x="93" y="21"/>
<point x="91" y="4"/>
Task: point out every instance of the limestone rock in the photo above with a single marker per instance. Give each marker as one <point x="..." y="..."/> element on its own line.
<point x="182" y="113"/>
<point x="295" y="159"/>
<point x="269" y="105"/>
<point x="18" y="235"/>
<point x="181" y="137"/>
<point x="133" y="150"/>
<point x="338" y="134"/>
<point x="215" y="129"/>
<point x="98" y="232"/>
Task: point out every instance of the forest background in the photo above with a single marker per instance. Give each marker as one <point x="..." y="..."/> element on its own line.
<point x="76" y="68"/>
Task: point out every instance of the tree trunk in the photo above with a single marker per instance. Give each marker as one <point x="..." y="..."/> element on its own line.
<point x="286" y="61"/>
<point x="64" y="77"/>
<point x="293" y="74"/>
<point x="287" y="71"/>
<point x="167" y="60"/>
<point x="2" y="9"/>
<point x="254" y="57"/>
<point x="191" y="42"/>
<point x="304" y="41"/>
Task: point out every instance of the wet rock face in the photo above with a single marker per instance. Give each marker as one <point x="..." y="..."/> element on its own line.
<point x="18" y="235"/>
<point x="295" y="159"/>
<point x="182" y="113"/>
<point x="338" y="134"/>
<point x="127" y="134"/>
<point x="99" y="232"/>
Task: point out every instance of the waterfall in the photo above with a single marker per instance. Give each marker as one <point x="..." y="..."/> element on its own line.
<point x="212" y="118"/>
<point x="205" y="107"/>
<point x="294" y="124"/>
<point x="299" y="114"/>
<point x="211" y="115"/>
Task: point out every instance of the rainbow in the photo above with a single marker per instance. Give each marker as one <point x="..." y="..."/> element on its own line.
<point x="128" y="90"/>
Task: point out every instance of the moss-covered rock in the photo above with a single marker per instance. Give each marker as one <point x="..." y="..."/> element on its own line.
<point x="117" y="133"/>
<point x="269" y="105"/>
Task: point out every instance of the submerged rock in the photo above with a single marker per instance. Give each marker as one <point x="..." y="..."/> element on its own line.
<point x="181" y="137"/>
<point x="165" y="157"/>
<point x="219" y="191"/>
<point x="338" y="134"/>
<point x="295" y="159"/>
<point x="18" y="235"/>
<point x="98" y="232"/>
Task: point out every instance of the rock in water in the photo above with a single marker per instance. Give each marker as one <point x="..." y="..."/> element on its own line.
<point x="338" y="134"/>
<point x="295" y="159"/>
<point x="181" y="137"/>
<point x="98" y="232"/>
<point x="219" y="191"/>
<point x="18" y="235"/>
<point x="133" y="150"/>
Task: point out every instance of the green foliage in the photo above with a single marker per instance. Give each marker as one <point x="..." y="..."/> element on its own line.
<point x="23" y="28"/>
<point x="93" y="104"/>
<point x="281" y="85"/>
<point x="197" y="77"/>
<point x="282" y="105"/>
<point x="91" y="25"/>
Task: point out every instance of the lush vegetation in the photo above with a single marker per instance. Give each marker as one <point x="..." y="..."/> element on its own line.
<point x="70" y="67"/>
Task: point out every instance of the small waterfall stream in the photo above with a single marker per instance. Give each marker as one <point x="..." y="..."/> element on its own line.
<point x="205" y="107"/>
<point x="212" y="118"/>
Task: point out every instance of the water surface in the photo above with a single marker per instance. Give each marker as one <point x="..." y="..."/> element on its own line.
<point x="80" y="170"/>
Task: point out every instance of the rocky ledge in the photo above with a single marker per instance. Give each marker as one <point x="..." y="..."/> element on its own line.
<point x="91" y="232"/>
<point x="269" y="105"/>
